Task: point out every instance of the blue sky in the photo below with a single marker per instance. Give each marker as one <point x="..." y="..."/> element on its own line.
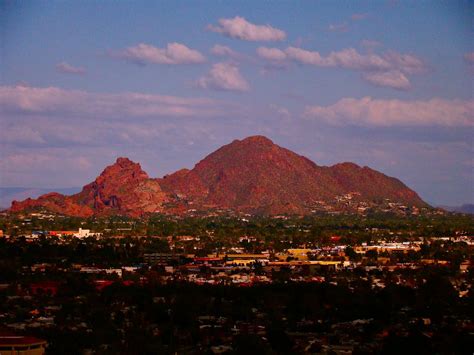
<point x="383" y="84"/>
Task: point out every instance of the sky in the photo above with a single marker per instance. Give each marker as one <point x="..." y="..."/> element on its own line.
<point x="385" y="84"/>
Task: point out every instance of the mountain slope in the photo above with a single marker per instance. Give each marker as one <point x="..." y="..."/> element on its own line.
<point x="252" y="175"/>
<point x="256" y="175"/>
<point x="466" y="208"/>
<point x="122" y="188"/>
<point x="9" y="194"/>
<point x="372" y="185"/>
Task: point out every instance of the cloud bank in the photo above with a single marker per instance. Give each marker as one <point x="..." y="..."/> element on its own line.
<point x="368" y="111"/>
<point x="224" y="76"/>
<point x="66" y="68"/>
<point x="223" y="51"/>
<point x="392" y="79"/>
<point x="272" y="54"/>
<point x="54" y="100"/>
<point x="388" y="70"/>
<point x="174" y="53"/>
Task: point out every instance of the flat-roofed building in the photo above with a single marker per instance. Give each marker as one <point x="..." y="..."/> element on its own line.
<point x="162" y="258"/>
<point x="13" y="344"/>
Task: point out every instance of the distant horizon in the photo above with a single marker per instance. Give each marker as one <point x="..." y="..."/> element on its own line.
<point x="387" y="85"/>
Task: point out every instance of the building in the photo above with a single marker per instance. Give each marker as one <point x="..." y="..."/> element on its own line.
<point x="46" y="288"/>
<point x="162" y="258"/>
<point x="85" y="233"/>
<point x="12" y="344"/>
<point x="61" y="233"/>
<point x="81" y="233"/>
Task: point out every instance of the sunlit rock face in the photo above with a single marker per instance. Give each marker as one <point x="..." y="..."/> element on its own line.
<point x="251" y="175"/>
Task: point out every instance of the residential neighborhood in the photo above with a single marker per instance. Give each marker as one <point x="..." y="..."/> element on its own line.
<point x="205" y="291"/>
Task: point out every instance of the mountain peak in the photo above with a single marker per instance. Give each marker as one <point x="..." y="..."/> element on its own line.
<point x="257" y="140"/>
<point x="346" y="165"/>
<point x="123" y="169"/>
<point x="125" y="162"/>
<point x="252" y="175"/>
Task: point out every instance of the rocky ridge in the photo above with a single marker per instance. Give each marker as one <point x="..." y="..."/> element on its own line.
<point x="252" y="175"/>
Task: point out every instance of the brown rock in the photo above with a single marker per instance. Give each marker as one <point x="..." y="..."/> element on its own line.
<point x="253" y="175"/>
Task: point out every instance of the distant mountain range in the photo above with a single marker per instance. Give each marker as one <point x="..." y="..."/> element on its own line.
<point x="9" y="194"/>
<point x="252" y="175"/>
<point x="467" y="208"/>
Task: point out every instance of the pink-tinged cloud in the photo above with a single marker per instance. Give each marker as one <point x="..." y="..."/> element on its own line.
<point x="275" y="58"/>
<point x="469" y="57"/>
<point x="174" y="53"/>
<point x="53" y="100"/>
<point x="347" y="58"/>
<point x="239" y="27"/>
<point x="389" y="69"/>
<point x="374" y="112"/>
<point x="392" y="79"/>
<point x="350" y="58"/>
<point x="224" y="76"/>
<point x="227" y="52"/>
<point x="223" y="51"/>
<point x="272" y="54"/>
<point x="66" y="68"/>
<point x="407" y="63"/>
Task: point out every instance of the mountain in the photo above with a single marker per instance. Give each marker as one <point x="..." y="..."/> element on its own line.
<point x="252" y="175"/>
<point x="9" y="194"/>
<point x="256" y="175"/>
<point x="122" y="188"/>
<point x="466" y="208"/>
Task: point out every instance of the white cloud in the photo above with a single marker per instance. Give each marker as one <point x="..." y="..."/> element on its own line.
<point x="347" y="58"/>
<point x="224" y="76"/>
<point x="223" y="51"/>
<point x="174" y="53"/>
<point x="276" y="59"/>
<point x="350" y="58"/>
<point x="389" y="69"/>
<point x="392" y="79"/>
<point x="66" y="68"/>
<point x="239" y="27"/>
<point x="405" y="62"/>
<point x="272" y="54"/>
<point x="374" y="112"/>
<point x="53" y="100"/>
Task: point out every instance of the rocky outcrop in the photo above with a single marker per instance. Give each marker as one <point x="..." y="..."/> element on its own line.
<point x="122" y="188"/>
<point x="252" y="175"/>
<point x="256" y="175"/>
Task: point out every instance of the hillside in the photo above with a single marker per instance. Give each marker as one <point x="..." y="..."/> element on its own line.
<point x="252" y="175"/>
